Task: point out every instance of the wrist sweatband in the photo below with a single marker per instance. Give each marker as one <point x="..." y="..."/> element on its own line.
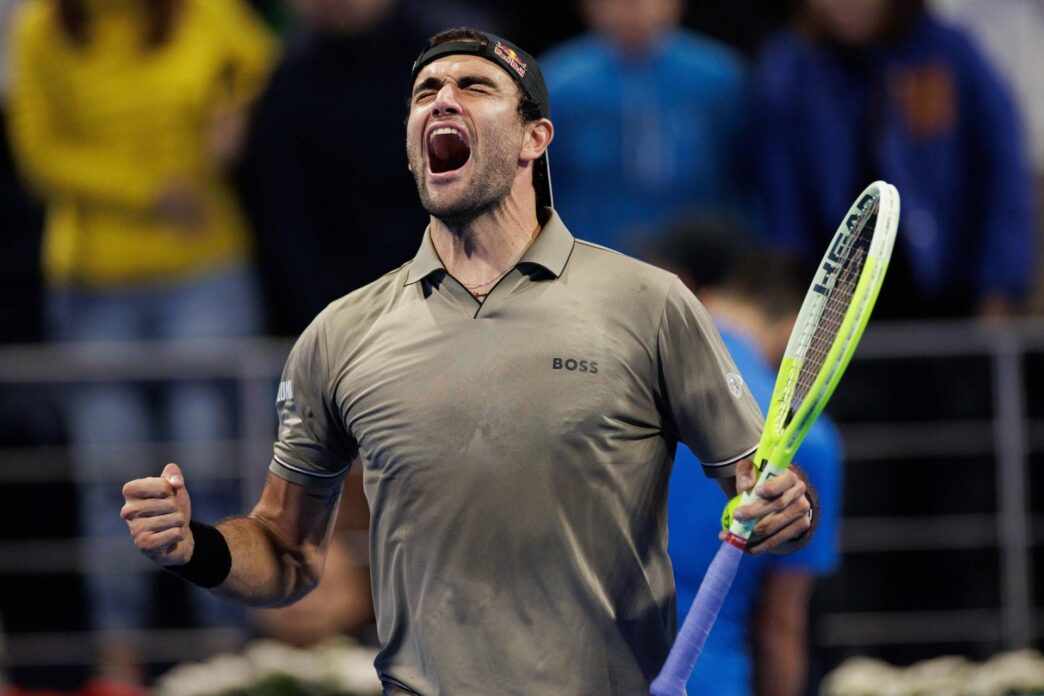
<point x="211" y="559"/>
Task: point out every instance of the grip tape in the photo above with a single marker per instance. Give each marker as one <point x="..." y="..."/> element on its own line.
<point x="699" y="621"/>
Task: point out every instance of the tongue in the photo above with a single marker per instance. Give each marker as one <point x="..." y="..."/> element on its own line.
<point x="447" y="152"/>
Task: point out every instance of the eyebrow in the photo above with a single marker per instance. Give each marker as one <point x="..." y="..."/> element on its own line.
<point x="435" y="83"/>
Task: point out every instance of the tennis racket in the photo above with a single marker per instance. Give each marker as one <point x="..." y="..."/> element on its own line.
<point x="828" y="328"/>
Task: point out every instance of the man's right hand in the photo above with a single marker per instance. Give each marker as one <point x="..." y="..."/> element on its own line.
<point x="158" y="511"/>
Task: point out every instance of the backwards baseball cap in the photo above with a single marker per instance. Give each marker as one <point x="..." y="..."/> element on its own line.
<point x="523" y="69"/>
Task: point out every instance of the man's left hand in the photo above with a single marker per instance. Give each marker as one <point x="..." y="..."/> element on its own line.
<point x="783" y="509"/>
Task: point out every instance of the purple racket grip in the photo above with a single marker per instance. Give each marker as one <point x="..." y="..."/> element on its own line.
<point x="700" y="619"/>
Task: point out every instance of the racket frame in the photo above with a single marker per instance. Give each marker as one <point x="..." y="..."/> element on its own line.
<point x="784" y="431"/>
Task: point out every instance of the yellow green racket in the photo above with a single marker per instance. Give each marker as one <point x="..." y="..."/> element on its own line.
<point x="828" y="328"/>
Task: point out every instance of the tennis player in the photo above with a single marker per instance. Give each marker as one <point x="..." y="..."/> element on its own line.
<point x="515" y="397"/>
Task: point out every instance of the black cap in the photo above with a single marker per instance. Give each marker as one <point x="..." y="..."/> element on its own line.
<point x="523" y="69"/>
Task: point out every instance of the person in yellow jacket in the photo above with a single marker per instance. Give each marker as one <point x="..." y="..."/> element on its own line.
<point x="124" y="117"/>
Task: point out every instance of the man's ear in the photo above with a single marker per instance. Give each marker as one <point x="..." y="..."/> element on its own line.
<point x="539" y="135"/>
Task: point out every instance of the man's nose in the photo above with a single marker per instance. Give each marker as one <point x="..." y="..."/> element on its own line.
<point x="446" y="101"/>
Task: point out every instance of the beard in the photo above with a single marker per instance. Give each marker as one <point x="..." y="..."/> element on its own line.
<point x="490" y="183"/>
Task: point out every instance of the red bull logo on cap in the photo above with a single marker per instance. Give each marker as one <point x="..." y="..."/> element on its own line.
<point x="510" y="56"/>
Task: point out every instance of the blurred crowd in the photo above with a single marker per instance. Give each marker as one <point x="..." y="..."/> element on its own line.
<point x="214" y="168"/>
<point x="157" y="146"/>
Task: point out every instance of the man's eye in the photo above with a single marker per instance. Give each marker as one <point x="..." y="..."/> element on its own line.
<point x="423" y="96"/>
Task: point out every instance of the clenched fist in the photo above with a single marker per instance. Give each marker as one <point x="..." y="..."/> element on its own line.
<point x="158" y="512"/>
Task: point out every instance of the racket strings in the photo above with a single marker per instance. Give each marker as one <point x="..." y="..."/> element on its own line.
<point x="851" y="259"/>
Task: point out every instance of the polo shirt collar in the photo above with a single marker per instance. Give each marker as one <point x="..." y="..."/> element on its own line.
<point x="552" y="247"/>
<point x="426" y="261"/>
<point x="550" y="250"/>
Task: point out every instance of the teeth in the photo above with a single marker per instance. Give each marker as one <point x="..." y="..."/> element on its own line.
<point x="445" y="130"/>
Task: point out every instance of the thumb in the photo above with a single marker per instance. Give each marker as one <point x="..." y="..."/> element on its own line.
<point x="172" y="473"/>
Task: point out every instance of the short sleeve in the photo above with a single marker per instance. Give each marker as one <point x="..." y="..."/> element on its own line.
<point x="313" y="448"/>
<point x="709" y="405"/>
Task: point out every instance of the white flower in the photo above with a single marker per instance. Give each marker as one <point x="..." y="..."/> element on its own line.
<point x="339" y="664"/>
<point x="1010" y="673"/>
<point x="221" y="673"/>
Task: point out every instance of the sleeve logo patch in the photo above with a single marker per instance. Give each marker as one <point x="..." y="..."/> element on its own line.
<point x="286" y="391"/>
<point x="735" y="383"/>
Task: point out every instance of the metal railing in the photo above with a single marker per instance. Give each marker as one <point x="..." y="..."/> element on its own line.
<point x="253" y="366"/>
<point x="1009" y="435"/>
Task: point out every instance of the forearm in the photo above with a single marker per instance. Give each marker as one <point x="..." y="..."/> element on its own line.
<point x="277" y="551"/>
<point x="266" y="570"/>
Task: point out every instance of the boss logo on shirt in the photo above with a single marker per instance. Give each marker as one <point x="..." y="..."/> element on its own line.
<point x="574" y="365"/>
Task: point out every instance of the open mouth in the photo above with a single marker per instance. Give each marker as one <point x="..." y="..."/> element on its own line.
<point x="448" y="150"/>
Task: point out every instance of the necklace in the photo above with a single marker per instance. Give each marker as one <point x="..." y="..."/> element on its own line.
<point x="476" y="286"/>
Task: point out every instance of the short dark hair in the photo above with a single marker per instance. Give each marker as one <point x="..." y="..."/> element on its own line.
<point x="701" y="248"/>
<point x="720" y="253"/>
<point x="771" y="280"/>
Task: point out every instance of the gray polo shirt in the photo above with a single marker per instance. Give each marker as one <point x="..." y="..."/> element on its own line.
<point x="516" y="455"/>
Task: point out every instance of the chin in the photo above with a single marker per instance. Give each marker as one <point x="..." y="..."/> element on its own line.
<point x="457" y="211"/>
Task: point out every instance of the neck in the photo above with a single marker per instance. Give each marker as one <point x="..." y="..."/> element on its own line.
<point x="475" y="251"/>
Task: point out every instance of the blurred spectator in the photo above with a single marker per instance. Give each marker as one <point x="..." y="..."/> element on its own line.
<point x="867" y="89"/>
<point x="760" y="641"/>
<point x="276" y="13"/>
<point x="743" y="24"/>
<point x="324" y="173"/>
<point x="125" y="115"/>
<point x="20" y="281"/>
<point x="438" y="16"/>
<point x="1011" y="33"/>
<point x="648" y="119"/>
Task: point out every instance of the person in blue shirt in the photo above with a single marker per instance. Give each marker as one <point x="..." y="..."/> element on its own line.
<point x="759" y="644"/>
<point x="648" y="122"/>
<point x="880" y="89"/>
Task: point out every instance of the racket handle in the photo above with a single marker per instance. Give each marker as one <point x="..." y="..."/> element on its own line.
<point x="699" y="621"/>
<point x="744" y="528"/>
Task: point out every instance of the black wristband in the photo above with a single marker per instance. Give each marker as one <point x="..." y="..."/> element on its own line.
<point x="211" y="559"/>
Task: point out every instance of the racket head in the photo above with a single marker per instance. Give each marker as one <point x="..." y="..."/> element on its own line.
<point x="831" y="321"/>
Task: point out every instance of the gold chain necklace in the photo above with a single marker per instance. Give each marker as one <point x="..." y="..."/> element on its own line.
<point x="476" y="286"/>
